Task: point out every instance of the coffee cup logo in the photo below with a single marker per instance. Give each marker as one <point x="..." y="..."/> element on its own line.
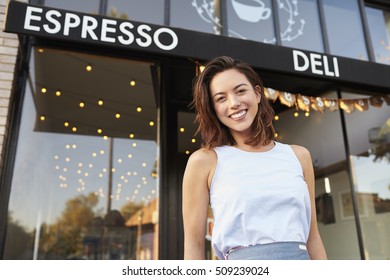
<point x="257" y="13"/>
<point x="251" y="10"/>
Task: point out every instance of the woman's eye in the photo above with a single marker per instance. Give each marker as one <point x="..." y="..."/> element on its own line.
<point x="242" y="90"/>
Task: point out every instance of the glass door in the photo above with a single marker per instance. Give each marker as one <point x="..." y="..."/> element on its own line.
<point x="85" y="181"/>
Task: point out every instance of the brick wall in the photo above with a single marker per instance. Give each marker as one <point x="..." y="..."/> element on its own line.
<point x="8" y="52"/>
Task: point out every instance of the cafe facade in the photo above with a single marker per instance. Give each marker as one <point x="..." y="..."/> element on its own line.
<point x="96" y="125"/>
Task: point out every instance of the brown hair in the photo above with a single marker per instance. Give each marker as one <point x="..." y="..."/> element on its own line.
<point x="213" y="132"/>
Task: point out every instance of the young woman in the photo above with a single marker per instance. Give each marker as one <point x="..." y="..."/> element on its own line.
<point x="261" y="191"/>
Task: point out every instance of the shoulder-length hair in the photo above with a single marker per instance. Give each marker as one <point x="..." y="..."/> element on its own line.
<point x="213" y="132"/>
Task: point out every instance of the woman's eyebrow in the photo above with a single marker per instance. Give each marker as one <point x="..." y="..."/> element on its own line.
<point x="236" y="87"/>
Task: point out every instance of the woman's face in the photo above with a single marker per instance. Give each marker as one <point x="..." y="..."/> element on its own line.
<point x="235" y="101"/>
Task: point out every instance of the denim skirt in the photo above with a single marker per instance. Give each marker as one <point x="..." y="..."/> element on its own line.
<point x="270" y="251"/>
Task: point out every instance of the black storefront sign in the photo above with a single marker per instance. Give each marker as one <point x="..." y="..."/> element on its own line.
<point x="102" y="31"/>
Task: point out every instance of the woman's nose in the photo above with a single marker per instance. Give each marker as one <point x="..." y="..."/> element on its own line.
<point x="234" y="101"/>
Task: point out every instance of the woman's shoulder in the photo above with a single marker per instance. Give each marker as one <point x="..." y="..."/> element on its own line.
<point x="203" y="157"/>
<point x="303" y="155"/>
<point x="300" y="151"/>
<point x="201" y="165"/>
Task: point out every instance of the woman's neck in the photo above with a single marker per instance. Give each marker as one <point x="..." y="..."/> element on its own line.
<point x="242" y="145"/>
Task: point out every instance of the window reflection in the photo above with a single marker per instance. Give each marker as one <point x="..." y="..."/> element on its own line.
<point x="299" y="24"/>
<point x="87" y="180"/>
<point x="344" y="28"/>
<point x="369" y="140"/>
<point x="198" y="15"/>
<point x="251" y="20"/>
<point x="151" y="11"/>
<point x="379" y="27"/>
<point x="85" y="6"/>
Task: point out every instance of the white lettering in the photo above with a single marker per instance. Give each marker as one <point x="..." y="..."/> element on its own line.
<point x="296" y="55"/>
<point x="89" y="25"/>
<point x="111" y="30"/>
<point x="315" y="60"/>
<point x="50" y="18"/>
<point x="288" y="96"/>
<point x="123" y="28"/>
<point x="319" y="64"/>
<point x="306" y="100"/>
<point x="156" y="39"/>
<point x="106" y="29"/>
<point x="336" y="67"/>
<point x="148" y="39"/>
<point x="326" y="67"/>
<point x="29" y="17"/>
<point x="69" y="23"/>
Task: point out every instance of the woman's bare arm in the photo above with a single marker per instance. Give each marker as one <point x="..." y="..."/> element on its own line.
<point x="197" y="177"/>
<point x="315" y="246"/>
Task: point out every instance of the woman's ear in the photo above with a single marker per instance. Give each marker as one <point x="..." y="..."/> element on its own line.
<point x="258" y="93"/>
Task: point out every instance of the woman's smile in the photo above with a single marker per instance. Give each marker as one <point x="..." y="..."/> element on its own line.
<point x="238" y="115"/>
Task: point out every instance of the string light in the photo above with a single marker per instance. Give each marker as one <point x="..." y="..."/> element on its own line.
<point x="74" y="129"/>
<point x="88" y="68"/>
<point x="296" y="114"/>
<point x="42" y="118"/>
<point x="193" y="140"/>
<point x="43" y="90"/>
<point x="307" y="114"/>
<point x="131" y="135"/>
<point x="139" y="109"/>
<point x="132" y="83"/>
<point x="100" y="102"/>
<point x="276" y="118"/>
<point x="66" y="124"/>
<point x="117" y="115"/>
<point x="99" y="130"/>
<point x="40" y="50"/>
<point x="81" y="104"/>
<point x="182" y="129"/>
<point x="58" y="93"/>
<point x="151" y="123"/>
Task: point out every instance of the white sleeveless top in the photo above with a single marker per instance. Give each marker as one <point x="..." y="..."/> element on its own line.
<point x="258" y="198"/>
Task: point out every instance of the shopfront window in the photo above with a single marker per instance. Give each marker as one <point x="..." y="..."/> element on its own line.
<point x="85" y="181"/>
<point x="251" y="20"/>
<point x="379" y="27"/>
<point x="321" y="133"/>
<point x="85" y="6"/>
<point x="344" y="28"/>
<point x="197" y="15"/>
<point x="137" y="10"/>
<point x="369" y="140"/>
<point x="299" y="25"/>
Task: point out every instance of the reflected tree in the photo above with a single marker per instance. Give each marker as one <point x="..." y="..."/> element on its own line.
<point x="114" y="13"/>
<point x="63" y="239"/>
<point x="20" y="242"/>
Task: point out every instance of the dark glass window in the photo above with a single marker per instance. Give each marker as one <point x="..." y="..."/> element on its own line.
<point x="198" y="15"/>
<point x="251" y="20"/>
<point x="85" y="6"/>
<point x="379" y="27"/>
<point x="344" y="27"/>
<point x="299" y="25"/>
<point x="138" y="10"/>
<point x="85" y="177"/>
